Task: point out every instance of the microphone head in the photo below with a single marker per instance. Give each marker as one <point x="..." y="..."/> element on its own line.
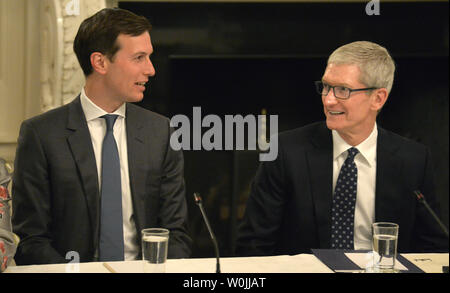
<point x="197" y="198"/>
<point x="419" y="195"/>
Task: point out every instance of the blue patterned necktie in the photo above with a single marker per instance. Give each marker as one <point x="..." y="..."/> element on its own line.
<point x="111" y="246"/>
<point x="344" y="199"/>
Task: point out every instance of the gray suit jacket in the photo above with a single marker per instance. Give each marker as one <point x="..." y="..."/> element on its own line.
<point x="56" y="200"/>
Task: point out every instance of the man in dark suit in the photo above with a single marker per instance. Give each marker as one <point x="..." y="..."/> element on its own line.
<point x="59" y="198"/>
<point x="297" y="202"/>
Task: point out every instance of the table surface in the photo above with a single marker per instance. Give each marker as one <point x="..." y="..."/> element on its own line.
<point x="301" y="263"/>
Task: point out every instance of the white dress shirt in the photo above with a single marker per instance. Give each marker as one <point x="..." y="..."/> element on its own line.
<point x="97" y="129"/>
<point x="366" y="162"/>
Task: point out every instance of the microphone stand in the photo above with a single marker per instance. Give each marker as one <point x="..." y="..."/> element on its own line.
<point x="198" y="201"/>
<point x="422" y="200"/>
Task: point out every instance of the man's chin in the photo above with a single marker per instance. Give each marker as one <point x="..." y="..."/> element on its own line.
<point x="135" y="99"/>
<point x="332" y="125"/>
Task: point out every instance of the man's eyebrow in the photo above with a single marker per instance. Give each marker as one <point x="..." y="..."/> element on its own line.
<point x="142" y="53"/>
<point x="338" y="84"/>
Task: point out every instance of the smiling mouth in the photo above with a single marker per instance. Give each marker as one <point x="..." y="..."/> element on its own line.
<point x="141" y="83"/>
<point x="335" y="113"/>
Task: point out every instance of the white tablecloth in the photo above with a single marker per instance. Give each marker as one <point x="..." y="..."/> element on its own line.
<point x="302" y="263"/>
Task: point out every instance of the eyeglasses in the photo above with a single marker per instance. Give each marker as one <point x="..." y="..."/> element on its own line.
<point x="340" y="92"/>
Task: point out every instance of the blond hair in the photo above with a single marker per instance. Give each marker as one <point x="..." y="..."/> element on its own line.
<point x="374" y="61"/>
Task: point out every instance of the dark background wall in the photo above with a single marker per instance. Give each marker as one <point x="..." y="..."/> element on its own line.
<point x="240" y="58"/>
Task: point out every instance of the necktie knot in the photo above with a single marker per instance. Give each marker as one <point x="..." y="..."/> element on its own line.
<point x="110" y="120"/>
<point x="352" y="152"/>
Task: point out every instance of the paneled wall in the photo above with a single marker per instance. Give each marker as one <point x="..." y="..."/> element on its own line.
<point x="12" y="73"/>
<point x="38" y="69"/>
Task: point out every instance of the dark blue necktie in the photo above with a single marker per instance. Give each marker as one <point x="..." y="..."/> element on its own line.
<point x="344" y="199"/>
<point x="111" y="247"/>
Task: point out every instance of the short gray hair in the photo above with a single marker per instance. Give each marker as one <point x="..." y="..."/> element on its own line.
<point x="374" y="61"/>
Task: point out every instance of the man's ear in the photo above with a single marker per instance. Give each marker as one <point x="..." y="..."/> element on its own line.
<point x="379" y="99"/>
<point x="98" y="62"/>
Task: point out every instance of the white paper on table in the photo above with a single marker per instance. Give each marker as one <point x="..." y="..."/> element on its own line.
<point x="365" y="260"/>
<point x="302" y="263"/>
<point x="134" y="266"/>
<point x="429" y="262"/>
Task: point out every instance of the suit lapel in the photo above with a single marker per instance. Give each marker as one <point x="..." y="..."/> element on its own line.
<point x="81" y="146"/>
<point x="136" y="163"/>
<point x="389" y="169"/>
<point x="320" y="163"/>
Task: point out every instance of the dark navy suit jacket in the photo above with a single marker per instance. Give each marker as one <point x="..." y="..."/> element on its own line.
<point x="289" y="208"/>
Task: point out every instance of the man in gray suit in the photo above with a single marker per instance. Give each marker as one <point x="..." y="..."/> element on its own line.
<point x="58" y="200"/>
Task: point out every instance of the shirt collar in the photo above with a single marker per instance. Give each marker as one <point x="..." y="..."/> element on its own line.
<point x="367" y="148"/>
<point x="92" y="111"/>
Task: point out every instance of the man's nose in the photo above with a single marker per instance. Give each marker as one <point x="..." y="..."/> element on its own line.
<point x="149" y="68"/>
<point x="330" y="98"/>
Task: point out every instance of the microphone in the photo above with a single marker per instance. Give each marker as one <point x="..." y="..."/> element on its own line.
<point x="422" y="200"/>
<point x="198" y="201"/>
